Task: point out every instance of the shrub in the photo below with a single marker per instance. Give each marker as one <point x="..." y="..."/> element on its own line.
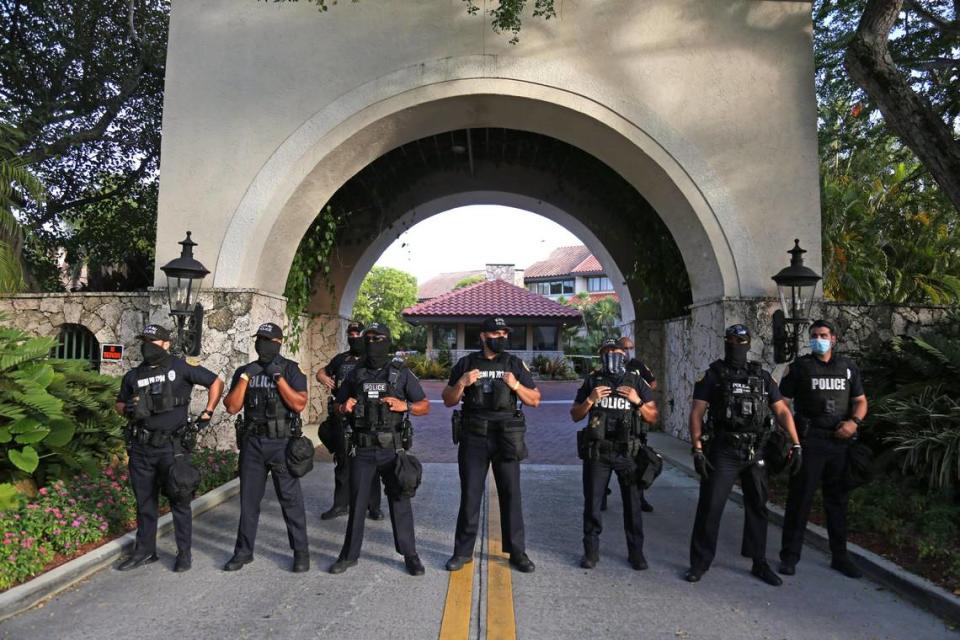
<point x="558" y="368"/>
<point x="424" y="367"/>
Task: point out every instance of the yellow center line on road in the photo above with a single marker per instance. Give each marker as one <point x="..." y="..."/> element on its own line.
<point x="457" y="608"/>
<point x="501" y="618"/>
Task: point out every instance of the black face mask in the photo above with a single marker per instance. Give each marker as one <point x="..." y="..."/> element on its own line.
<point x="378" y="354"/>
<point x="154" y="355"/>
<point x="735" y="355"/>
<point x="267" y="350"/>
<point x="613" y="362"/>
<point x="356" y="345"/>
<point x="497" y="345"/>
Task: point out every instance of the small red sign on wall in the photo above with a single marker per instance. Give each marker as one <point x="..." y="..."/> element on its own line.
<point x="111" y="352"/>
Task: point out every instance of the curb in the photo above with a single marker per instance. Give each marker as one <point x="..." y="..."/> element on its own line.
<point x="911" y="587"/>
<point x="29" y="594"/>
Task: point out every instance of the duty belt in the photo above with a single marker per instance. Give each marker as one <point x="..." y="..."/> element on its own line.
<point x="386" y="439"/>
<point x="481" y="426"/>
<point x="262" y="430"/>
<point x="142" y="435"/>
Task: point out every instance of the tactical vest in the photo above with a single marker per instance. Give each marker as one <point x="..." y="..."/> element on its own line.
<point x="489" y="392"/>
<point x="348" y="364"/>
<point x="744" y="405"/>
<point x="617" y="413"/>
<point x="264" y="410"/>
<point x="155" y="390"/>
<point x="370" y="414"/>
<point x="822" y="389"/>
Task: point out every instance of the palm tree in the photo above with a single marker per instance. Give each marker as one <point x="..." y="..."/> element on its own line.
<point x="15" y="181"/>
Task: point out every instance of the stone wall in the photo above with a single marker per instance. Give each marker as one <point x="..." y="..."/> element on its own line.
<point x="690" y="343"/>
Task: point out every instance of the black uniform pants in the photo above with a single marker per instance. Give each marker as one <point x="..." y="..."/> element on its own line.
<point x="596" y="476"/>
<point x="476" y="454"/>
<point x="824" y="461"/>
<point x="369" y="464"/>
<point x="148" y="471"/>
<point x="258" y="456"/>
<point x="728" y="465"/>
<point x="341" y="485"/>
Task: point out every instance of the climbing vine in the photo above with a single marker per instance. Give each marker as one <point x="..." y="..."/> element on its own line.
<point x="311" y="260"/>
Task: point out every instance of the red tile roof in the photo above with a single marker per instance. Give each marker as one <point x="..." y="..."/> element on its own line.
<point x="561" y="262"/>
<point x="589" y="266"/>
<point x="492" y="298"/>
<point x="444" y="283"/>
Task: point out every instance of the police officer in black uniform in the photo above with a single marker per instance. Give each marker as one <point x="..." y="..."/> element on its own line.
<point x="830" y="405"/>
<point x="271" y="391"/>
<point x="377" y="397"/>
<point x="491" y="383"/>
<point x="155" y="396"/>
<point x="617" y="401"/>
<point x="741" y="397"/>
<point x="332" y="377"/>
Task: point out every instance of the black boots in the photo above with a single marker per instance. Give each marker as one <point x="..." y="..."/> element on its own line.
<point x="137" y="560"/>
<point x="763" y="571"/>
<point x="236" y="562"/>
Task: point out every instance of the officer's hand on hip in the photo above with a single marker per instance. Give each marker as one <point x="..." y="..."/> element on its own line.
<point x="273" y="370"/>
<point x="469" y="377"/>
<point x="846" y="430"/>
<point x="795" y="459"/>
<point x="630" y="394"/>
<point x="599" y="392"/>
<point x="253" y="369"/>
<point x="395" y="404"/>
<point x="701" y="464"/>
<point x="347" y="407"/>
<point x="203" y="420"/>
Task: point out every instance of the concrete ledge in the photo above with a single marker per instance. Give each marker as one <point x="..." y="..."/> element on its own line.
<point x="909" y="586"/>
<point x="32" y="593"/>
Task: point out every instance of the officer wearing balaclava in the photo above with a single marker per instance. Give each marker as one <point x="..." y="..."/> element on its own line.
<point x="492" y="384"/>
<point x="742" y="400"/>
<point x="271" y="391"/>
<point x="830" y="405"/>
<point x="332" y="377"/>
<point x="377" y="396"/>
<point x="616" y="400"/>
<point x="155" y="397"/>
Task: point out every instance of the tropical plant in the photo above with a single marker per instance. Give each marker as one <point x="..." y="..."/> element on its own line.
<point x="928" y="437"/>
<point x="425" y="368"/>
<point x="16" y="181"/>
<point x="557" y="368"/>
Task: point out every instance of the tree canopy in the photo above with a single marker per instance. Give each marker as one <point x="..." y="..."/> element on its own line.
<point x="383" y="296"/>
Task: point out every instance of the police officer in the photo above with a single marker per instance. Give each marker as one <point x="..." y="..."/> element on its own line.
<point x="155" y="396"/>
<point x="617" y="400"/>
<point x="491" y="382"/>
<point x="332" y="376"/>
<point x="271" y="391"/>
<point x="377" y="396"/>
<point x="830" y="405"/>
<point x="741" y="397"/>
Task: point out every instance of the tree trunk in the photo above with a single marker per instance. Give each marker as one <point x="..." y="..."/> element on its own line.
<point x="908" y="114"/>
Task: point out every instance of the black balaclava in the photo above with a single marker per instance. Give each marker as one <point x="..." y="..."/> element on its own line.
<point x="378" y="354"/>
<point x="735" y="354"/>
<point x="154" y="355"/>
<point x="356" y="345"/>
<point x="497" y="345"/>
<point x="267" y="350"/>
<point x="613" y="362"/>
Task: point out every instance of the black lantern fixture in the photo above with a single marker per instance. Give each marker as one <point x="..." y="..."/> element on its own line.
<point x="796" y="284"/>
<point x="184" y="277"/>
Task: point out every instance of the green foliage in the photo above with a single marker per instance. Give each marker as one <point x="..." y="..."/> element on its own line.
<point x="507" y="15"/>
<point x="469" y="280"/>
<point x="427" y="369"/>
<point x="558" y="368"/>
<point x="928" y="435"/>
<point x="68" y="517"/>
<point x="16" y="183"/>
<point x="56" y="416"/>
<point x="383" y="296"/>
<point x="600" y="321"/>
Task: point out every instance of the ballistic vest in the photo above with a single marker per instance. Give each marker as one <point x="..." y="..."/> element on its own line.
<point x="263" y="406"/>
<point x="348" y="364"/>
<point x="822" y="389"/>
<point x="617" y="413"/>
<point x="489" y="392"/>
<point x="155" y="389"/>
<point x="370" y="414"/>
<point x="744" y="405"/>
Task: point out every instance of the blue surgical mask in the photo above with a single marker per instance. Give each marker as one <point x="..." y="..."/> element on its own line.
<point x="820" y="346"/>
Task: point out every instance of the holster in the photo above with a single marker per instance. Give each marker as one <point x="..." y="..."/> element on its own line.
<point x="138" y="434"/>
<point x="406" y="434"/>
<point x="240" y="431"/>
<point x="456" y="425"/>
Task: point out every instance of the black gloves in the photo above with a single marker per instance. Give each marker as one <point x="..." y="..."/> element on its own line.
<point x="795" y="460"/>
<point x="701" y="464"/>
<point x="253" y="369"/>
<point x="273" y="370"/>
<point x="203" y="422"/>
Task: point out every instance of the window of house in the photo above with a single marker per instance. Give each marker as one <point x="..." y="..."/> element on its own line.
<point x="76" y="342"/>
<point x="599" y="283"/>
<point x="444" y="336"/>
<point x="545" y="338"/>
<point x="553" y="288"/>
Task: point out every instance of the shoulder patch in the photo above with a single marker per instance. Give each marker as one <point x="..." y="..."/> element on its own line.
<point x="700" y="379"/>
<point x="193" y="362"/>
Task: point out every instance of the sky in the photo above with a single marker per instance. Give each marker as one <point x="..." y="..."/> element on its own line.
<point x="467" y="238"/>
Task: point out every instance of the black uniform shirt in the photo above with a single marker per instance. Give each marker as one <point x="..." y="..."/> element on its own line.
<point x="407" y="386"/>
<point x="710" y="388"/>
<point x="643" y="389"/>
<point x="334" y="366"/>
<point x="635" y="364"/>
<point x="509" y="362"/>
<point x="296" y="378"/>
<point x="183" y="376"/>
<point x="789" y="385"/>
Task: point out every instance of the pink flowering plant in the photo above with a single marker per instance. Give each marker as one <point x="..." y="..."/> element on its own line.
<point x="67" y="517"/>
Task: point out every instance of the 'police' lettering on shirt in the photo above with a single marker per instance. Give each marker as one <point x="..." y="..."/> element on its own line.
<point x="163" y="377"/>
<point x="261" y="381"/>
<point x="374" y="389"/>
<point x="615" y="402"/>
<point x="738" y="387"/>
<point x="828" y="384"/>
